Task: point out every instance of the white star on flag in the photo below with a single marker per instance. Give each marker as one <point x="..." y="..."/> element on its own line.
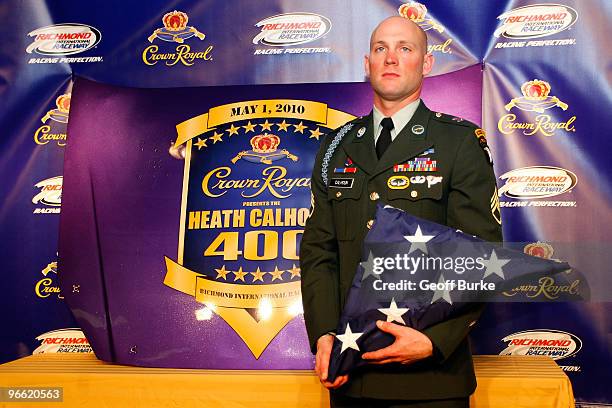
<point x="442" y="293"/>
<point x="494" y="266"/>
<point x="394" y="313"/>
<point x="418" y="240"/>
<point x="348" y="339"/>
<point x="368" y="268"/>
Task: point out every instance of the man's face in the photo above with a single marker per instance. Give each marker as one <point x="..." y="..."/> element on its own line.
<point x="398" y="59"/>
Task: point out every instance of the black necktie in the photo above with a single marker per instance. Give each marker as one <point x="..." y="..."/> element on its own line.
<point x="384" y="140"/>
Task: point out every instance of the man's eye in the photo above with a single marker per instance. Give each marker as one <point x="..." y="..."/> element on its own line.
<point x="406" y="49"/>
<point x="379" y="49"/>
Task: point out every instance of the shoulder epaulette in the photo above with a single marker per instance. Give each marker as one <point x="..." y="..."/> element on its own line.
<point x="478" y="132"/>
<point x="455" y="120"/>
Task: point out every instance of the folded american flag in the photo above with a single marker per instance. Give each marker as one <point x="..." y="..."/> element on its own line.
<point x="418" y="273"/>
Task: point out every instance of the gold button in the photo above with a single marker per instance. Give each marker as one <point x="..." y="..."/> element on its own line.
<point x="438" y="115"/>
<point x="338" y="194"/>
<point x="374" y="196"/>
<point x="413" y="194"/>
<point x="369" y="224"/>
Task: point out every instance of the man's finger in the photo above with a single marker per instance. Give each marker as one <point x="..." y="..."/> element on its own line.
<point x="385" y="361"/>
<point x="323" y="366"/>
<point x="387" y="352"/>
<point x="388" y="327"/>
<point x="338" y="382"/>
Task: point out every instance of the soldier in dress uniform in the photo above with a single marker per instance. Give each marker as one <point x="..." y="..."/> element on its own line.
<point x="427" y="163"/>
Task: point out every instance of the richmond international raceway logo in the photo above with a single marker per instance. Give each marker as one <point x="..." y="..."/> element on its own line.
<point x="175" y="30"/>
<point x="50" y="195"/>
<point x="536" y="182"/>
<point x="535" y="21"/>
<point x="63" y="341"/>
<point x="290" y="29"/>
<point x="63" y="39"/>
<point x="555" y="344"/>
<point x="417" y="12"/>
<point x="536" y="98"/>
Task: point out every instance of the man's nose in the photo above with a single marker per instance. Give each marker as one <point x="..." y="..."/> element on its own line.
<point x="390" y="58"/>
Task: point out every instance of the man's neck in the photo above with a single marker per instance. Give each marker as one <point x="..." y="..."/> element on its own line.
<point x="389" y="108"/>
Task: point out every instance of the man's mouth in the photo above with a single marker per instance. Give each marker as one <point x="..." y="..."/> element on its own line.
<point x="390" y="75"/>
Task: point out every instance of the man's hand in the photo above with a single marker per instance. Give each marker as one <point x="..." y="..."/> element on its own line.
<point x="324" y="348"/>
<point x="409" y="346"/>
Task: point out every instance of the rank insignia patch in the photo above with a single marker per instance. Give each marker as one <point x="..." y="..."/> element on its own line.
<point x="428" y="152"/>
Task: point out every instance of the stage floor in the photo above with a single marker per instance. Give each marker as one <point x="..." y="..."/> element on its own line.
<point x="503" y="381"/>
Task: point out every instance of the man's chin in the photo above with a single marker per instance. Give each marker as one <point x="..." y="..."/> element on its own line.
<point x="393" y="96"/>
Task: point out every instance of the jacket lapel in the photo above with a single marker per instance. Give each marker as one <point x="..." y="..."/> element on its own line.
<point x="409" y="142"/>
<point x="361" y="148"/>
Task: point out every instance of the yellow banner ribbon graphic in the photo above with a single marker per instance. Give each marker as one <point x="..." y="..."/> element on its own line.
<point x="260" y="109"/>
<point x="230" y="302"/>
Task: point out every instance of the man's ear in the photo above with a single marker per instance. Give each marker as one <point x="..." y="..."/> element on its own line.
<point x="428" y="62"/>
<point x="366" y="61"/>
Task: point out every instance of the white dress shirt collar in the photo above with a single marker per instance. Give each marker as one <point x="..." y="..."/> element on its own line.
<point x="400" y="119"/>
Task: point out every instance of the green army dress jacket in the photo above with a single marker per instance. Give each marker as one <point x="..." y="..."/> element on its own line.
<point x="330" y="250"/>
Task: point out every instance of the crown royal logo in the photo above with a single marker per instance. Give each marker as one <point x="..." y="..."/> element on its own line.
<point x="536" y="98"/>
<point x="264" y="150"/>
<point x="417" y="12"/>
<point x="46" y="287"/>
<point x="175" y="30"/>
<point x="56" y="129"/>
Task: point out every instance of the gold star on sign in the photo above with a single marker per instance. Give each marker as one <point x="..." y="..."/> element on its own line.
<point x="239" y="275"/>
<point x="222" y="273"/>
<point x="266" y="125"/>
<point x="216" y="137"/>
<point x="249" y="127"/>
<point x="276" y="274"/>
<point x="300" y="127"/>
<point x="258" y="275"/>
<point x="295" y="272"/>
<point x="283" y="125"/>
<point x="233" y="130"/>
<point x="200" y="143"/>
<point x="315" y="134"/>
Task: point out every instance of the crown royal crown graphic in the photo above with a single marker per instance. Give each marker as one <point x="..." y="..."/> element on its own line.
<point x="60" y="113"/>
<point x="413" y="11"/>
<point x="539" y="249"/>
<point x="536" y="89"/>
<point x="417" y="13"/>
<point x="175" y="20"/>
<point x="175" y="28"/>
<point x="63" y="103"/>
<point x="266" y="143"/>
<point x="536" y="98"/>
<point x="264" y="149"/>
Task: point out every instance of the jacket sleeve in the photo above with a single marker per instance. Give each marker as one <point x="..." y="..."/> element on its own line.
<point x="319" y="261"/>
<point x="473" y="208"/>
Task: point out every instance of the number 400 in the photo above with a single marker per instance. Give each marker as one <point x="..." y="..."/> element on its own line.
<point x="229" y="242"/>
